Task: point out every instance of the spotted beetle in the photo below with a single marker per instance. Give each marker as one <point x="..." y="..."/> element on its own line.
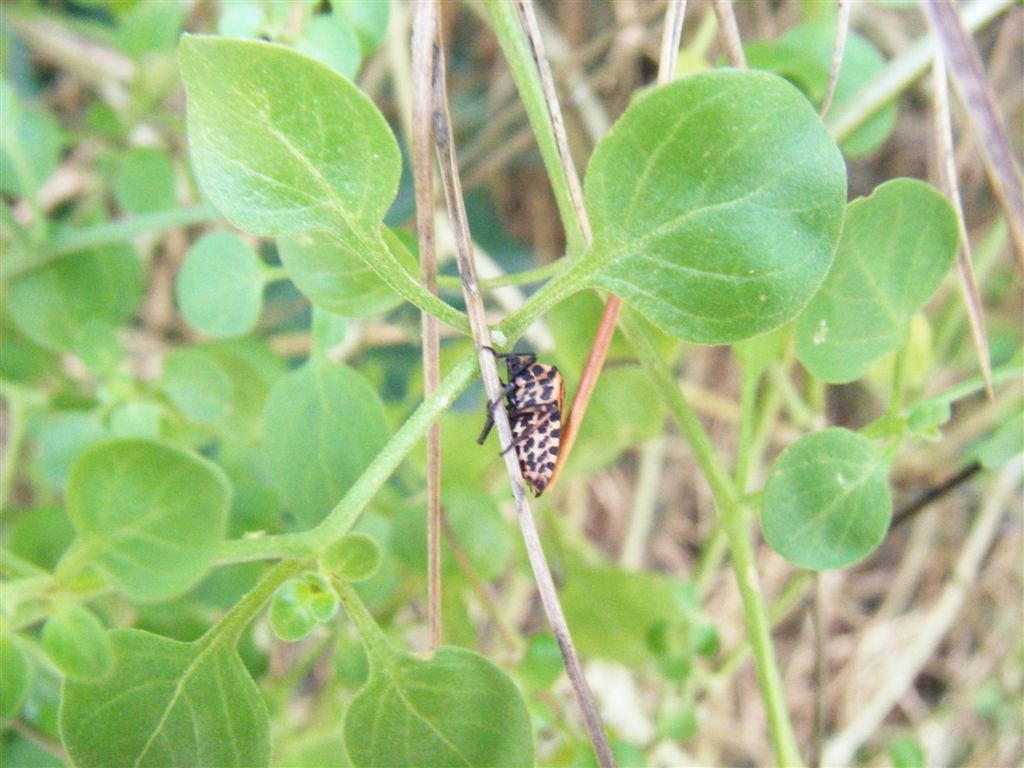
<point x="534" y="398"/>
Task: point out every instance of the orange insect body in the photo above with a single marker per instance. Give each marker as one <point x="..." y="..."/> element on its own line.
<point x="534" y="399"/>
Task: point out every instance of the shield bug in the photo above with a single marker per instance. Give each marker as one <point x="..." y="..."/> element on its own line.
<point x="534" y="397"/>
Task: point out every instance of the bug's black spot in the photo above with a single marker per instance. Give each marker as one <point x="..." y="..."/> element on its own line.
<point x="553" y="450"/>
<point x="556" y="432"/>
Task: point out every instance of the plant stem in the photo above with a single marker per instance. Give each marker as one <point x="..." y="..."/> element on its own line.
<point x="229" y="628"/>
<point x="525" y="67"/>
<point x="347" y="511"/>
<point x="735" y="519"/>
<point x="106" y="233"/>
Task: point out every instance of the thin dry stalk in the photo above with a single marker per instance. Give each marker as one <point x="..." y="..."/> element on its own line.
<point x="424" y="27"/>
<point x="906" y="662"/>
<point x="529" y="22"/>
<point x="730" y="33"/>
<point x="972" y="86"/>
<point x="670" y="37"/>
<point x="842" y="32"/>
<point x="948" y="181"/>
<point x="441" y="121"/>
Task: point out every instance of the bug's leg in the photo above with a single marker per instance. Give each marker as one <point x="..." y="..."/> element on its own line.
<point x="488" y="426"/>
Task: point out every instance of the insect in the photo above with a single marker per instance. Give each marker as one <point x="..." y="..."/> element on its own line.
<point x="534" y="397"/>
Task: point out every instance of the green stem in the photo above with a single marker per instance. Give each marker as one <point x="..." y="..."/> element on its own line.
<point x="1009" y="371"/>
<point x="229" y="628"/>
<point x="555" y="290"/>
<point x="106" y="233"/>
<point x="378" y="650"/>
<point x="347" y="511"/>
<point x="901" y="72"/>
<point x="735" y="519"/>
<point x="523" y="66"/>
<point x="536" y="275"/>
<point x="12" y="449"/>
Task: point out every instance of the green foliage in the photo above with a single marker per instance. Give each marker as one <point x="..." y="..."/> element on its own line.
<point x="716" y="204"/>
<point x="76" y="642"/>
<point x="804" y="56"/>
<point x="220" y="285"/>
<point x="142" y="429"/>
<point x="167" y="703"/>
<point x="827" y="502"/>
<point x="52" y="304"/>
<point x="148" y="516"/>
<point x="300" y="604"/>
<point x="324" y="425"/>
<point x="15" y="677"/>
<point x="897" y="246"/>
<point x="456" y="708"/>
<point x="353" y="557"/>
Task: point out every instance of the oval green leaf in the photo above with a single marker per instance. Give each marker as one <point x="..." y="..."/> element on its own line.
<point x="300" y="604"/>
<point x="77" y="643"/>
<point x="149" y="516"/>
<point x="353" y="557"/>
<point x="897" y="246"/>
<point x="220" y="285"/>
<point x="717" y="203"/>
<point x="52" y="304"/>
<point x="827" y="502"/>
<point x="281" y="143"/>
<point x="456" y="708"/>
<point x="167" y="703"/>
<point x="15" y="677"/>
<point x="145" y="181"/>
<point x="804" y="55"/>
<point x="197" y="385"/>
<point x="324" y="424"/>
<point x="333" y="275"/>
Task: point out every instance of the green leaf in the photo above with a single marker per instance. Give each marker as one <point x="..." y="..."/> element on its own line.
<point x="612" y="610"/>
<point x="324" y="424"/>
<point x="804" y="55"/>
<point x="369" y="18"/>
<point x="220" y="285"/>
<point x="50" y="305"/>
<point x="1007" y="442"/>
<point x="149" y="516"/>
<point x="353" y="557"/>
<point x="62" y="436"/>
<point x="284" y="145"/>
<point x="281" y="143"/>
<point x="167" y="703"/>
<point x="897" y="246"/>
<point x="98" y="347"/>
<point x="717" y="202"/>
<point x="197" y="385"/>
<point x="145" y="181"/>
<point x="456" y="708"/>
<point x="30" y="145"/>
<point x="15" y="677"/>
<point x="827" y="502"/>
<point x="40" y="535"/>
<point x="331" y="40"/>
<point x="542" y="662"/>
<point x="150" y="28"/>
<point x="300" y="604"/>
<point x="335" y="278"/>
<point x="906" y="752"/>
<point x="77" y="643"/>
